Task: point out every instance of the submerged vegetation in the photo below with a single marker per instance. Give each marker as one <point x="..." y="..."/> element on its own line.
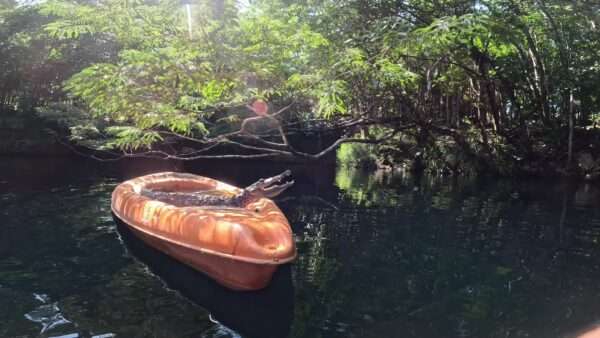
<point x="456" y="86"/>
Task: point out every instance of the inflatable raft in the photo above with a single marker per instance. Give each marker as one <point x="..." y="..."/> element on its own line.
<point x="238" y="247"/>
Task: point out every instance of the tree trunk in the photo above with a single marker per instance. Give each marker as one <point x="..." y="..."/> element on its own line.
<point x="570" y="149"/>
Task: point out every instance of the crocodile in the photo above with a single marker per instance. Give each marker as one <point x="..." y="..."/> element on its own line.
<point x="265" y="187"/>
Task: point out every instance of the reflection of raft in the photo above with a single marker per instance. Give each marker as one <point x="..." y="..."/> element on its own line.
<point x="267" y="313"/>
<point x="238" y="247"/>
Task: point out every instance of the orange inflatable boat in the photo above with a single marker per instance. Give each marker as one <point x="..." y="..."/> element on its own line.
<point x="239" y="247"/>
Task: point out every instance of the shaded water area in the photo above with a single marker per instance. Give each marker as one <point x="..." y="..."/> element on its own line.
<point x="379" y="256"/>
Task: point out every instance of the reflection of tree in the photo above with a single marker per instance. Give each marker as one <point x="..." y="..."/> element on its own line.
<point x="390" y="256"/>
<point x="366" y="190"/>
<point x="315" y="269"/>
<point x="41" y="223"/>
<point x="134" y="304"/>
<point x="436" y="258"/>
<point x="63" y="243"/>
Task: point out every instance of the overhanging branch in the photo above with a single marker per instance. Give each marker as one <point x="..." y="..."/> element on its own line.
<point x="244" y="144"/>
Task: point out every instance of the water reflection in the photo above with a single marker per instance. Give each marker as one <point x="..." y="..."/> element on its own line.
<point x="448" y="258"/>
<point x="47" y="314"/>
<point x="379" y="256"/>
<point x="266" y="313"/>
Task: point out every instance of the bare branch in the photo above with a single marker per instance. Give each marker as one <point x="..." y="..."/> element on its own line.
<point x="341" y="140"/>
<point x="245" y="146"/>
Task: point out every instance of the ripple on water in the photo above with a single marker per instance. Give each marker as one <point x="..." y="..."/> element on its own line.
<point x="48" y="314"/>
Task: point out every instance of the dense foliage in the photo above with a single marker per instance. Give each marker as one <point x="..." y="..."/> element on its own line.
<point x="452" y="85"/>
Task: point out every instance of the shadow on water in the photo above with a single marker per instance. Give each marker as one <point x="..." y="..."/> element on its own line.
<point x="267" y="313"/>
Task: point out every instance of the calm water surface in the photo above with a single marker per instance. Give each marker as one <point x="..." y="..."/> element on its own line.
<point x="379" y="256"/>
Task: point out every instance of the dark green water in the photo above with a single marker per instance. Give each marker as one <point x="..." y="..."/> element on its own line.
<point x="379" y="256"/>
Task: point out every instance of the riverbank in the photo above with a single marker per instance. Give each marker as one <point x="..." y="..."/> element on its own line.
<point x="23" y="133"/>
<point x="475" y="152"/>
<point x="460" y="152"/>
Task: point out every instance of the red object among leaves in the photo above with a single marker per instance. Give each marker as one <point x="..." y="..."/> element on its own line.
<point x="260" y="107"/>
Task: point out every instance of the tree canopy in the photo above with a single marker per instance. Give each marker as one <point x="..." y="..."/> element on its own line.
<point x="445" y="82"/>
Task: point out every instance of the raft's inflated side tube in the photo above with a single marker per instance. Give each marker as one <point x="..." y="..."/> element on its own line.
<point x="238" y="247"/>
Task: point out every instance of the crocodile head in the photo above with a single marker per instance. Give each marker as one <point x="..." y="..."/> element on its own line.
<point x="269" y="187"/>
